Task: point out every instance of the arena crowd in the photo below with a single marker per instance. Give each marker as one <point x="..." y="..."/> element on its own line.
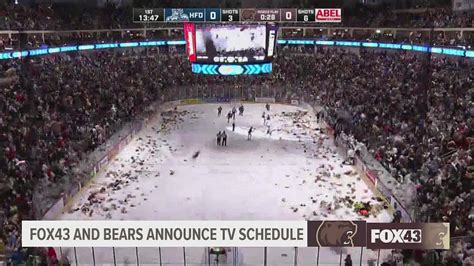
<point x="418" y="124"/>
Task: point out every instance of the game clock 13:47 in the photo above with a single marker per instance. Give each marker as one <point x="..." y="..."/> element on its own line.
<point x="148" y="18"/>
<point x="148" y="15"/>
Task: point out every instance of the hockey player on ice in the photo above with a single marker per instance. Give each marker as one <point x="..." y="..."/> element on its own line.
<point x="219" y="110"/>
<point x="229" y="116"/>
<point x="267" y="106"/>
<point x="249" y="137"/>
<point x="224" y="138"/>
<point x="234" y="110"/>
<point x="219" y="136"/>
<point x="241" y="110"/>
<point x="233" y="126"/>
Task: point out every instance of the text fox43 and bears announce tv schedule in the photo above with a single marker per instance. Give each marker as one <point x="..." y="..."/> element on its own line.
<point x="319" y="15"/>
<point x="235" y="234"/>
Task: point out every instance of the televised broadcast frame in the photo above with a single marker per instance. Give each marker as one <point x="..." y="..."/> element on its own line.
<point x="194" y="142"/>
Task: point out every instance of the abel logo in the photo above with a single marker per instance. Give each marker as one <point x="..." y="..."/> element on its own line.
<point x="328" y="15"/>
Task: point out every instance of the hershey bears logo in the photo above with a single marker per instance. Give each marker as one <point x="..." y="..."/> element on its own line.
<point x="248" y="14"/>
<point x="436" y="236"/>
<point x="336" y="233"/>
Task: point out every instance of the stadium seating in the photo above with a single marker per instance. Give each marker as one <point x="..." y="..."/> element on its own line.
<point x="51" y="121"/>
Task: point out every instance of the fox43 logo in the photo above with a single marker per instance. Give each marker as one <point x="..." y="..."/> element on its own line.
<point x="395" y="236"/>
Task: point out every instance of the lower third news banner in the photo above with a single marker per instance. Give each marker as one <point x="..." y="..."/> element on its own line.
<point x="235" y="234"/>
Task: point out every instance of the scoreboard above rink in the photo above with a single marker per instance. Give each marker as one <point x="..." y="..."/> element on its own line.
<point x="320" y="15"/>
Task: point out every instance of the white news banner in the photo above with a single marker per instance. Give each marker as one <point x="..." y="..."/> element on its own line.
<point x="164" y="233"/>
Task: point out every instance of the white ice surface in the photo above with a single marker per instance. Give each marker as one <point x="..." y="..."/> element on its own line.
<point x="266" y="178"/>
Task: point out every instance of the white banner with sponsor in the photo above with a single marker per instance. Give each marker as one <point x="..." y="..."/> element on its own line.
<point x="264" y="100"/>
<point x="164" y="233"/>
<point x="324" y="15"/>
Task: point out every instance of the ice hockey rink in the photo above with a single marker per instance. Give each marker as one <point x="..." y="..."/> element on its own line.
<point x="174" y="170"/>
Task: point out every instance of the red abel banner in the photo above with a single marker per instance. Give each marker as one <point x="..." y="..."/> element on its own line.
<point x="328" y="15"/>
<point x="190" y="36"/>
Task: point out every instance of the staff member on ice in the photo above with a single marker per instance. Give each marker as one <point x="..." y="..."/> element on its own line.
<point x="219" y="136"/>
<point x="249" y="137"/>
<point x="224" y="138"/>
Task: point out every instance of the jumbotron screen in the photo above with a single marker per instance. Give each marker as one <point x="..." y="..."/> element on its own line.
<point x="231" y="43"/>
